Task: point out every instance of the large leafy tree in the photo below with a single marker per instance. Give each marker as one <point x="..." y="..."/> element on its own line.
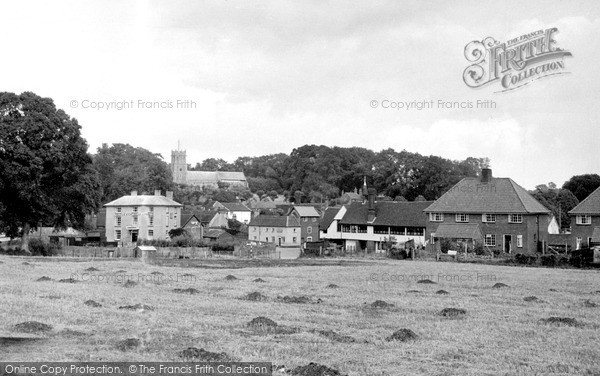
<point x="582" y="185"/>
<point x="46" y="174"/>
<point x="559" y="200"/>
<point x="124" y="168"/>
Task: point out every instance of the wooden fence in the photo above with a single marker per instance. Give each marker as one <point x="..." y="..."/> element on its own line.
<point x="129" y="252"/>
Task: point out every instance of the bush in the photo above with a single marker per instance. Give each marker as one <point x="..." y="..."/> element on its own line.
<point x="548" y="260"/>
<point x="38" y="247"/>
<point x="581" y="257"/>
<point x="399" y="254"/>
<point x="524" y="259"/>
<point x="220" y="247"/>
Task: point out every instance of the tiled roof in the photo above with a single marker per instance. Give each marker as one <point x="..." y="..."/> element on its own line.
<point x="206" y="216"/>
<point x="186" y="217"/>
<point x="306" y="211"/>
<point x="214" y="233"/>
<point x="328" y="217"/>
<point x="274" y="221"/>
<point x="353" y="196"/>
<point x="143" y="200"/>
<point x="589" y="205"/>
<point x="388" y="213"/>
<point x="458" y="231"/>
<point x="235" y="206"/>
<point x="500" y="195"/>
<point x="215" y="176"/>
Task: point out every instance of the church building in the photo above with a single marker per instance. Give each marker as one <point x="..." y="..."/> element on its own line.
<point x="201" y="179"/>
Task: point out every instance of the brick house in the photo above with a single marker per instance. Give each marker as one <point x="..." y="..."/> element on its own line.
<point x="309" y="219"/>
<point x="134" y="217"/>
<point x="193" y="225"/>
<point x="281" y="230"/>
<point x="366" y="226"/>
<point x="585" y="230"/>
<point x="496" y="211"/>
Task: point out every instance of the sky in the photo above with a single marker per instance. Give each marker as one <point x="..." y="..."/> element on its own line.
<point x="225" y="79"/>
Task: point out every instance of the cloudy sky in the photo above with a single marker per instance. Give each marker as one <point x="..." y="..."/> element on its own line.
<point x="260" y="77"/>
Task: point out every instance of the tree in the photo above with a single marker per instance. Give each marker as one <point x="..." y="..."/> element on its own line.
<point x="559" y="201"/>
<point x="124" y="168"/>
<point x="582" y="185"/>
<point x="46" y="173"/>
<point x="174" y="232"/>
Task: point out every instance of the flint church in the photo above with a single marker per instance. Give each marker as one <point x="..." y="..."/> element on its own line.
<point x="203" y="179"/>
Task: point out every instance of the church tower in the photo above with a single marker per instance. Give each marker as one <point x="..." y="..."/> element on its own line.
<point x="179" y="166"/>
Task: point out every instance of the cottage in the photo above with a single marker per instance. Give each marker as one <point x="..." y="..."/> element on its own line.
<point x="281" y="230"/>
<point x="192" y="225"/>
<point x="134" y="217"/>
<point x="369" y="225"/>
<point x="234" y="210"/>
<point x="585" y="231"/>
<point x="500" y="211"/>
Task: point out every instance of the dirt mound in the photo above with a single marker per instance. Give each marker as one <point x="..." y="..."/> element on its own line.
<point x="92" y="269"/>
<point x="588" y="303"/>
<point x="157" y="273"/>
<point x="332" y="286"/>
<point x="128" y="344"/>
<point x="129" y="284"/>
<point x="52" y="297"/>
<point x="596" y="292"/>
<point x="256" y="297"/>
<point x="533" y="299"/>
<point x="44" y="279"/>
<point x="442" y="292"/>
<point x="453" y="312"/>
<point x="261" y="322"/>
<point x="259" y="280"/>
<point x="192" y="353"/>
<point x="187" y="275"/>
<point x="295" y="299"/>
<point x="231" y="278"/>
<point x="67" y="280"/>
<point x="426" y="281"/>
<point x="26" y="263"/>
<point x="120" y="271"/>
<point x="335" y="337"/>
<point x="92" y="303"/>
<point x="568" y="321"/>
<point x="402" y="335"/>
<point x="189" y="290"/>
<point x="553" y="290"/>
<point x="72" y="333"/>
<point x="32" y="327"/>
<point x="138" y="307"/>
<point x="499" y="285"/>
<point x="381" y="304"/>
<point x="314" y="369"/>
<point x="414" y="291"/>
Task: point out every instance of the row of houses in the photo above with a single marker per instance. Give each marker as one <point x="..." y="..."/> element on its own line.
<point x="494" y="212"/>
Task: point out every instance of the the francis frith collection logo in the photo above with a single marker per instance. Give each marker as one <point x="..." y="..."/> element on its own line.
<point x="516" y="62"/>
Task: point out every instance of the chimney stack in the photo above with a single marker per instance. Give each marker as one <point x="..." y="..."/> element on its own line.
<point x="371" y="205"/>
<point x="157" y="192"/>
<point x="486" y="175"/>
<point x="134" y="193"/>
<point x="170" y="194"/>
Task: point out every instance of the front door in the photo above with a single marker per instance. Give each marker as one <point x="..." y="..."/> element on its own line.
<point x="134" y="236"/>
<point x="507" y="243"/>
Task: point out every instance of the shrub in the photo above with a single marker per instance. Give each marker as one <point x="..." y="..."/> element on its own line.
<point x="220" y="247"/>
<point x="38" y="247"/>
<point x="399" y="254"/>
<point x="581" y="257"/>
<point x="524" y="259"/>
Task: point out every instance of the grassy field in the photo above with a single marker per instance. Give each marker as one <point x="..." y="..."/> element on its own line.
<point x="500" y="334"/>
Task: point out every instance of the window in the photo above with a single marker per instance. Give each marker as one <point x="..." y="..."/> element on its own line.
<point x="117" y="234"/>
<point x="314" y="219"/>
<point x="309" y="238"/>
<point x="490" y="239"/>
<point x="151" y="209"/>
<point x="150" y="233"/>
<point x="584" y="219"/>
<point x="167" y="221"/>
<point x="436" y="217"/>
<point x="135" y="220"/>
<point x="309" y="230"/>
<point x="578" y="242"/>
<point x="118" y="221"/>
<point x="295" y="240"/>
<point x="305" y="219"/>
<point x="151" y="220"/>
<point x="462" y="217"/>
<point x="519" y="241"/>
<point x="273" y="238"/>
<point x="135" y="209"/>
<point x="253" y="229"/>
<point x="119" y="210"/>
<point x="488" y="218"/>
<point x="515" y="218"/>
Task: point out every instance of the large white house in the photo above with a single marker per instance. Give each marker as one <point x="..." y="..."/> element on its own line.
<point x="134" y="217"/>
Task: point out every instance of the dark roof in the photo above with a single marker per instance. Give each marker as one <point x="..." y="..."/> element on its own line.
<point x="235" y="206"/>
<point x="328" y="217"/>
<point x="274" y="221"/>
<point x="500" y="195"/>
<point x="388" y="213"/>
<point x="589" y="205"/>
<point x="458" y="231"/>
<point x="206" y="216"/>
<point x="186" y="217"/>
<point x="215" y="233"/>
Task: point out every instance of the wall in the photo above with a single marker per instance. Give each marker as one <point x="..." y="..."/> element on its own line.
<point x="288" y="235"/>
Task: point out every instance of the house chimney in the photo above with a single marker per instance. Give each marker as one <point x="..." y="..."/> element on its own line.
<point x="134" y="193"/>
<point x="371" y="205"/>
<point x="486" y="175"/>
<point x="157" y="192"/>
<point x="170" y="194"/>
